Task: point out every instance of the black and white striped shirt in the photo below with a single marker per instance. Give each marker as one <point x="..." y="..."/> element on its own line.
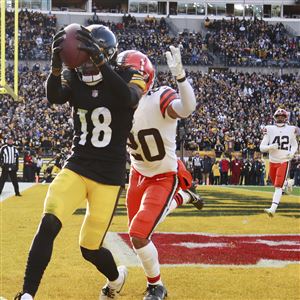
<point x="9" y="155"/>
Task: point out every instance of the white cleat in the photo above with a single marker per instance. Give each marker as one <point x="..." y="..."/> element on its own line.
<point x="270" y="212"/>
<point x="108" y="292"/>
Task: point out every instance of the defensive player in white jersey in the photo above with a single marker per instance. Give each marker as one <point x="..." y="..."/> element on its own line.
<point x="280" y="141"/>
<point x="156" y="174"/>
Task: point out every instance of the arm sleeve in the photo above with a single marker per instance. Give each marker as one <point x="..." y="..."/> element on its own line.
<point x="1" y="156"/>
<point x="187" y="102"/>
<point x="55" y="91"/>
<point x="129" y="95"/>
<point x="264" y="144"/>
<point x="294" y="145"/>
<point x="17" y="159"/>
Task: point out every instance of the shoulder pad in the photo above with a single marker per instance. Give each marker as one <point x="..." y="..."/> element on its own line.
<point x="138" y="79"/>
<point x="166" y="97"/>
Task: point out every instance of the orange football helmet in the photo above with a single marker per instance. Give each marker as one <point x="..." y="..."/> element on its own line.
<point x="140" y="62"/>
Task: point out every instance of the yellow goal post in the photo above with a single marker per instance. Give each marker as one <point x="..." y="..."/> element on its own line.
<point x="4" y="87"/>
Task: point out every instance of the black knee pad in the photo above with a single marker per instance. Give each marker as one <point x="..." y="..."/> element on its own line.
<point x="87" y="254"/>
<point x="50" y="225"/>
<point x="95" y="255"/>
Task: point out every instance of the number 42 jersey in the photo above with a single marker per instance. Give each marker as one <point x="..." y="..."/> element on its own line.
<point x="152" y="140"/>
<point x="285" y="137"/>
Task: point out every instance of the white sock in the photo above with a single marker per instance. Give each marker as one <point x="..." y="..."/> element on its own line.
<point x="26" y="296"/>
<point x="116" y="283"/>
<point x="276" y="198"/>
<point x="180" y="198"/>
<point x="148" y="256"/>
<point x="185" y="197"/>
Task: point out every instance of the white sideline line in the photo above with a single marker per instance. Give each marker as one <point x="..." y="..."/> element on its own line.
<point x="121" y="250"/>
<point x="9" y="191"/>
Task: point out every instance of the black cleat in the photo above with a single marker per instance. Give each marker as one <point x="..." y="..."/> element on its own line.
<point x="195" y="199"/>
<point x="155" y="292"/>
<point x="18" y="296"/>
<point x="18" y="195"/>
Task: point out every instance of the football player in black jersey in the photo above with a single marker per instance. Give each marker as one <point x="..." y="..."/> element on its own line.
<point x="103" y="99"/>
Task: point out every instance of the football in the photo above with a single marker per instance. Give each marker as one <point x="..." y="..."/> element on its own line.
<point x="71" y="56"/>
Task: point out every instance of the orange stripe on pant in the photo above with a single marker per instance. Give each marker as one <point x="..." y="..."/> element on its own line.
<point x="147" y="201"/>
<point x="278" y="173"/>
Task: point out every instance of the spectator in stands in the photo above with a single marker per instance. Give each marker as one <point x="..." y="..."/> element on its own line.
<point x="207" y="165"/>
<point x="38" y="166"/>
<point x="197" y="168"/>
<point x="219" y="149"/>
<point x="262" y="173"/>
<point x="216" y="172"/>
<point x="28" y="167"/>
<point x="224" y="169"/>
<point x="297" y="173"/>
<point x="236" y="166"/>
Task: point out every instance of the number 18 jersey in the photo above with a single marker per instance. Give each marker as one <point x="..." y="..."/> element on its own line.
<point x="152" y="141"/>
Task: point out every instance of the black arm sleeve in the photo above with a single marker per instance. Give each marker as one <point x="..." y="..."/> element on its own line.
<point x="1" y="156"/>
<point x="55" y="91"/>
<point x="17" y="161"/>
<point x="129" y="96"/>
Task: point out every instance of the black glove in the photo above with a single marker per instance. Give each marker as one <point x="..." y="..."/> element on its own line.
<point x="90" y="46"/>
<point x="56" y="63"/>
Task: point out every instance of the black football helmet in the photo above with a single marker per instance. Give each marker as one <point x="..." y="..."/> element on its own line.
<point x="106" y="40"/>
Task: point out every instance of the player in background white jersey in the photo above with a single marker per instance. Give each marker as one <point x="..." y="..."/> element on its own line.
<point x="280" y="141"/>
<point x="156" y="174"/>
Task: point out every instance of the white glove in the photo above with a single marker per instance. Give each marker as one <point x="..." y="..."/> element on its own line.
<point x="174" y="63"/>
<point x="289" y="156"/>
<point x="273" y="146"/>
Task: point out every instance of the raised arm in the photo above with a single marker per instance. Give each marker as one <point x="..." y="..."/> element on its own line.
<point x="57" y="93"/>
<point x="183" y="107"/>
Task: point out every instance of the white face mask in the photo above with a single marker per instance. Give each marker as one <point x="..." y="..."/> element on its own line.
<point x="90" y="74"/>
<point x="92" y="80"/>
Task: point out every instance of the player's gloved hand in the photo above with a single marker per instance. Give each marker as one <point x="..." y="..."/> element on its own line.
<point x="273" y="146"/>
<point x="289" y="156"/>
<point x="56" y="63"/>
<point x="175" y="64"/>
<point x="90" y="46"/>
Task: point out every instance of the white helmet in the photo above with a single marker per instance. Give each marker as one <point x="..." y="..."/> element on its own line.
<point x="281" y="116"/>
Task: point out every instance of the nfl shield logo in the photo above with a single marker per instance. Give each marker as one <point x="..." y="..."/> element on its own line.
<point x="94" y="93"/>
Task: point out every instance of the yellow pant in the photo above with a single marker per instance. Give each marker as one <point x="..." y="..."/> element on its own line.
<point x="65" y="194"/>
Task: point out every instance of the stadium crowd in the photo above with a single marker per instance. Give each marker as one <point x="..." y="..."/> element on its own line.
<point x="235" y="42"/>
<point x="252" y="43"/>
<point x="232" y="107"/>
<point x="231" y="110"/>
<point x="35" y="35"/>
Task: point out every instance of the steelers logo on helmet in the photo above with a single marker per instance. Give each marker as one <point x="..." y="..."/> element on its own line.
<point x="106" y="40"/>
<point x="281" y="116"/>
<point x="140" y="62"/>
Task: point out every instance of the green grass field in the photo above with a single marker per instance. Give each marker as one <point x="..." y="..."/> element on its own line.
<point x="228" y="211"/>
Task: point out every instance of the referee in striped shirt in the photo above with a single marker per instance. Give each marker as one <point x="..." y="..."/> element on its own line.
<point x="9" y="161"/>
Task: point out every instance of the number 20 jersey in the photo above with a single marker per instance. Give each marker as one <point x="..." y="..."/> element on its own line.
<point x="152" y="140"/>
<point x="285" y="137"/>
